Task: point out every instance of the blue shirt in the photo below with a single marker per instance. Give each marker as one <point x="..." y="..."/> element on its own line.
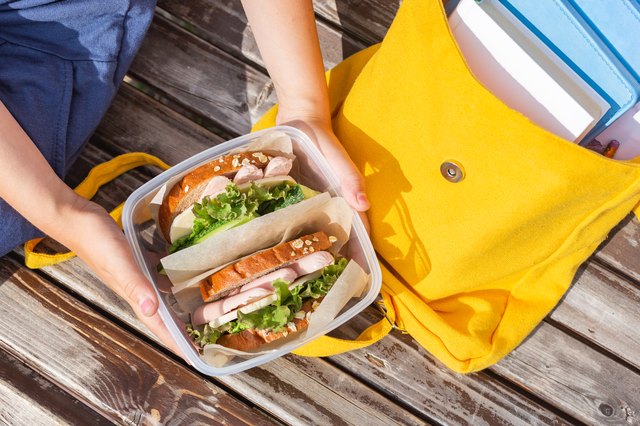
<point x="61" y="63"/>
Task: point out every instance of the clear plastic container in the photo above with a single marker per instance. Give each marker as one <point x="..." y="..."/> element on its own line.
<point x="148" y="246"/>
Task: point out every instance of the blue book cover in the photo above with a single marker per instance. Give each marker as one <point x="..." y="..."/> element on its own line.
<point x="617" y="22"/>
<point x="564" y="31"/>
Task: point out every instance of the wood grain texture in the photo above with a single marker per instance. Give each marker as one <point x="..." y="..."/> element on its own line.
<point x="28" y="399"/>
<point x="98" y="363"/>
<point x="224" y="25"/>
<point x="603" y="309"/>
<point x="621" y="251"/>
<point x="202" y="77"/>
<point x="136" y="122"/>
<point x="368" y="20"/>
<point x="571" y="375"/>
<point x="398" y="365"/>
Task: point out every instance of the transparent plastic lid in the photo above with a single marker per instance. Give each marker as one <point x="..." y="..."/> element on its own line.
<point x="149" y="246"/>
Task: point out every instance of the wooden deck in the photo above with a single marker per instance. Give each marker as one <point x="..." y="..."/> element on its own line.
<point x="73" y="353"/>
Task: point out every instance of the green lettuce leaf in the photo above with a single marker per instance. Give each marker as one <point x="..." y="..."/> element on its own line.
<point x="234" y="207"/>
<point x="289" y="301"/>
<point x="207" y="336"/>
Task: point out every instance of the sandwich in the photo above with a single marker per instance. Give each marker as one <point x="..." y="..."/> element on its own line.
<point x="228" y="192"/>
<point x="266" y="296"/>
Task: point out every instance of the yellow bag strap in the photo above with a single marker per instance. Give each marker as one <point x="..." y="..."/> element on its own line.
<point x="99" y="175"/>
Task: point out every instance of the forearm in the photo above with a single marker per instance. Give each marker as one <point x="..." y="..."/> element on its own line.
<point x="28" y="183"/>
<point x="285" y="31"/>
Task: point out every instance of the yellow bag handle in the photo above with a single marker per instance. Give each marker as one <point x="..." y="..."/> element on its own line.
<point x="99" y="175"/>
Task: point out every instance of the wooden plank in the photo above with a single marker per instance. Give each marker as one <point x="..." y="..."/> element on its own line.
<point x="621" y="251"/>
<point x="139" y="123"/>
<point x="313" y="392"/>
<point x="603" y="308"/>
<point x="202" y="77"/>
<point x="567" y="374"/>
<point x="28" y="399"/>
<point x="576" y="378"/>
<point x="368" y="20"/>
<point x="398" y="365"/>
<point x="224" y="25"/>
<point x="115" y="373"/>
<point x="288" y="390"/>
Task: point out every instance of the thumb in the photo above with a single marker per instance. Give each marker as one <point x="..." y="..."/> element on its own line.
<point x="352" y="185"/>
<point x="140" y="294"/>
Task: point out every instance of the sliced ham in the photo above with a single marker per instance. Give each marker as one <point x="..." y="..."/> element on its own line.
<point x="217" y="185"/>
<point x="248" y="173"/>
<point x="312" y="263"/>
<point x="278" y="166"/>
<point x="250" y="292"/>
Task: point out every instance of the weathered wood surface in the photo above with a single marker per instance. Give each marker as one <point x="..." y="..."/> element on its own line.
<point x="397" y="365"/>
<point x="103" y="366"/>
<point x="622" y="250"/>
<point x="603" y="309"/>
<point x="224" y="25"/>
<point x="596" y="389"/>
<point x="201" y="63"/>
<point x="366" y="19"/>
<point x="202" y="77"/>
<point x="28" y="399"/>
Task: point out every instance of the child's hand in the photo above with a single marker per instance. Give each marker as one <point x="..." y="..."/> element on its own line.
<point x="351" y="180"/>
<point x="292" y="56"/>
<point x="97" y="240"/>
<point x="30" y="186"/>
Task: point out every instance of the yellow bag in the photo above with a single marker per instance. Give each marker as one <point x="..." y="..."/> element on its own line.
<point x="483" y="216"/>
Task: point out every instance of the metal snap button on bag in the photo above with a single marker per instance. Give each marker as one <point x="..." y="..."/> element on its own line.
<point x="452" y="171"/>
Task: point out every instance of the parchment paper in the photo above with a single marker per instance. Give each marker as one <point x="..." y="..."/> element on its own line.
<point x="331" y="215"/>
<point x="351" y="283"/>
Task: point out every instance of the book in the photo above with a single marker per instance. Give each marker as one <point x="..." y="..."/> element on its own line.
<point x="521" y="71"/>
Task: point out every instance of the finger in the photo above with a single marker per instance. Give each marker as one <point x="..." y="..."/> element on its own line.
<point x="351" y="180"/>
<point x="129" y="281"/>
<point x="140" y="294"/>
<point x="352" y="185"/>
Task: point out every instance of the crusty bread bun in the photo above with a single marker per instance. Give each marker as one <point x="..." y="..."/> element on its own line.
<point x="251" y="339"/>
<point x="189" y="189"/>
<point x="233" y="276"/>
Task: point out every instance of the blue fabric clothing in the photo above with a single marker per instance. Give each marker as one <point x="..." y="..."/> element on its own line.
<point x="61" y="62"/>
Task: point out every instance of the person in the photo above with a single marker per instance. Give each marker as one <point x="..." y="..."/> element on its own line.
<point x="62" y="63"/>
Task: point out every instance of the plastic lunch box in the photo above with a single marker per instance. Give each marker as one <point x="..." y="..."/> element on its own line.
<point x="148" y="246"/>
